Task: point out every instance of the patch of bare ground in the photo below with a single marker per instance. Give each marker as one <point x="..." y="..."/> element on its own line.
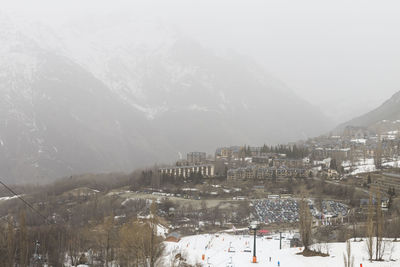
<point x="312" y="253"/>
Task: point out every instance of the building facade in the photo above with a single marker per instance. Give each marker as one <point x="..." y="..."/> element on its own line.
<point x="196" y="157"/>
<point x="385" y="181"/>
<point x="264" y="173"/>
<point x="207" y="170"/>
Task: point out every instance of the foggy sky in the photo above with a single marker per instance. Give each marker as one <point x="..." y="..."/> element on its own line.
<point x="342" y="56"/>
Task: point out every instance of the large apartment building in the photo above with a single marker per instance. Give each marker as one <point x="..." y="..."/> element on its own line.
<point x="207" y="170"/>
<point x="385" y="181"/>
<point x="289" y="163"/>
<point x="263" y="173"/>
<point x="228" y="152"/>
<point x="336" y="153"/>
<point x="196" y="157"/>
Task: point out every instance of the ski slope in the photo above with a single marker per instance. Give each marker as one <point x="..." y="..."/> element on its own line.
<point x="216" y="251"/>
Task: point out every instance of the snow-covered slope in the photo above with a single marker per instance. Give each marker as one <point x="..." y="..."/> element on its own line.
<point x="116" y="93"/>
<point x="57" y="119"/>
<point x="175" y="81"/>
<point x="216" y="251"/>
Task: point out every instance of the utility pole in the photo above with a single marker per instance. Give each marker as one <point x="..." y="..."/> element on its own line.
<point x="254" y="226"/>
<point x="254" y="250"/>
<point x="280" y="240"/>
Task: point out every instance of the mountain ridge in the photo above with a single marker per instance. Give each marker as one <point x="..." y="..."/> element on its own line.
<point x="69" y="110"/>
<point x="387" y="113"/>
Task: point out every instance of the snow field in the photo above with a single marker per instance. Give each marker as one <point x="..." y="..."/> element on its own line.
<point x="216" y="251"/>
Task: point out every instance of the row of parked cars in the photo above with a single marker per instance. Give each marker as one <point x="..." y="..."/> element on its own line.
<point x="287" y="210"/>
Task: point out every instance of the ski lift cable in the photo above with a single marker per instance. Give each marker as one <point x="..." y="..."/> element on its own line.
<point x="25" y="202"/>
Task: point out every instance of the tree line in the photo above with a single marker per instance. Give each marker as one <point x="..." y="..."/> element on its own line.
<point x="291" y="151"/>
<point x="132" y="243"/>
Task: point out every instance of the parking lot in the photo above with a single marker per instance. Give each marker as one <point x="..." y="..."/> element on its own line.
<point x="287" y="210"/>
<point x="276" y="210"/>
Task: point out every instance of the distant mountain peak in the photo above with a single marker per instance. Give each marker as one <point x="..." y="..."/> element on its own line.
<point x="386" y="116"/>
<point x="395" y="97"/>
<point x="110" y="97"/>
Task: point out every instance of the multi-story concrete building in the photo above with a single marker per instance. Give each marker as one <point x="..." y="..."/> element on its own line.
<point x="196" y="157"/>
<point x="339" y="154"/>
<point x="289" y="163"/>
<point x="262" y="173"/>
<point x="265" y="160"/>
<point x="385" y="181"/>
<point x="228" y="152"/>
<point x="207" y="170"/>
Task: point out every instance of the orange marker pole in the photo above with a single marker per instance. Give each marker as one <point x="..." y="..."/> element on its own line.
<point x="254" y="259"/>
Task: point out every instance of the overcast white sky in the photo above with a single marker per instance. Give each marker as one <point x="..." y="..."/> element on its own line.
<point x="343" y="56"/>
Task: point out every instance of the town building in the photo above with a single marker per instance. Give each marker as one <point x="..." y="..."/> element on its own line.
<point x="196" y="157"/>
<point x="207" y="170"/>
<point x="228" y="152"/>
<point x="340" y="154"/>
<point x="290" y="163"/>
<point x="262" y="173"/>
<point x="385" y="181"/>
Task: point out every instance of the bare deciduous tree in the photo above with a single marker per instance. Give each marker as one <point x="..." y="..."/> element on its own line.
<point x="305" y="224"/>
<point x="369" y="241"/>
<point x="380" y="246"/>
<point x="23" y="240"/>
<point x="11" y="249"/>
<point x="348" y="258"/>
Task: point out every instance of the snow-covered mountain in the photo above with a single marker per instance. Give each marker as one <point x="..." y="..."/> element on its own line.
<point x="386" y="117"/>
<point x="116" y="94"/>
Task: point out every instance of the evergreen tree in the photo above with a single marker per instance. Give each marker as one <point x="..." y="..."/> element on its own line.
<point x="248" y="151"/>
<point x="333" y="164"/>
